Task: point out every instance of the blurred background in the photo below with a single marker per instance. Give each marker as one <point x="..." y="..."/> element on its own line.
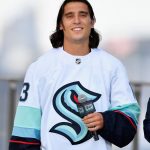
<point x="25" y="27"/>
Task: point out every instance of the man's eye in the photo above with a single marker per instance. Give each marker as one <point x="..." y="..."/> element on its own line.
<point x="69" y="16"/>
<point x="83" y="14"/>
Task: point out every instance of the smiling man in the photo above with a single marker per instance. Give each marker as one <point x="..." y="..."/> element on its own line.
<point x="75" y="96"/>
<point x="76" y="25"/>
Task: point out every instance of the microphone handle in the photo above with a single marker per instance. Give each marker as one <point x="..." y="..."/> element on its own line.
<point x="95" y="136"/>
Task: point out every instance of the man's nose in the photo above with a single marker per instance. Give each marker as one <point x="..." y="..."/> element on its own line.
<point x="76" y="19"/>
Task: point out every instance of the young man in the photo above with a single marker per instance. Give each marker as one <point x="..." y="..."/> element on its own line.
<point x="146" y="123"/>
<point x="72" y="74"/>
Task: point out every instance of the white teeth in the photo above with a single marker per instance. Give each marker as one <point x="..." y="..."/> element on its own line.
<point x="77" y="29"/>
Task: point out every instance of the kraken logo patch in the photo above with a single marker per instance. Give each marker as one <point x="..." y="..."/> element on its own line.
<point x="64" y="102"/>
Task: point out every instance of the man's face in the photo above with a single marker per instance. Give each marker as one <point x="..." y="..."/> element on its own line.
<point x="76" y="22"/>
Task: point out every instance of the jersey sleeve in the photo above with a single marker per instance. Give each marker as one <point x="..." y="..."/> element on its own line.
<point x="146" y="123"/>
<point x="27" y="122"/>
<point x="120" y="121"/>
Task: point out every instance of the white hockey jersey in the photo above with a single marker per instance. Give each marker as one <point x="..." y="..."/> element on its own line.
<point x="47" y="110"/>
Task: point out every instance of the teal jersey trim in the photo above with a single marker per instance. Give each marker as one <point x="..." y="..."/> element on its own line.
<point x="132" y="110"/>
<point x="28" y="117"/>
<point x="26" y="132"/>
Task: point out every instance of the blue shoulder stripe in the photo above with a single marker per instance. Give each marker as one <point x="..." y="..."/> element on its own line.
<point x="28" y="117"/>
<point x="132" y="110"/>
<point x="26" y="132"/>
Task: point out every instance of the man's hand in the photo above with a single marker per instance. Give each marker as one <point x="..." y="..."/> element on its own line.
<point x="94" y="121"/>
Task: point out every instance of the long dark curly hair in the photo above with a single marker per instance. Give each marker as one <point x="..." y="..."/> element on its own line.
<point x="57" y="38"/>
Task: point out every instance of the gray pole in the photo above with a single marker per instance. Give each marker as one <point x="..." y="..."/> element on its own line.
<point x="12" y="105"/>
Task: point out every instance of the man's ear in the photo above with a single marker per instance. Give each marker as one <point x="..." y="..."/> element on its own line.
<point x="93" y="23"/>
<point x="61" y="26"/>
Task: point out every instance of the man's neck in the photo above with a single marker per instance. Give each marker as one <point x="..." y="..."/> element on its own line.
<point x="77" y="49"/>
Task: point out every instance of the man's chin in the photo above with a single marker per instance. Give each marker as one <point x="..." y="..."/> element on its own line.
<point x="78" y="39"/>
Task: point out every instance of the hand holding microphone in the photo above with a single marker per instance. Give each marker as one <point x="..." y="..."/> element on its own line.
<point x="92" y="119"/>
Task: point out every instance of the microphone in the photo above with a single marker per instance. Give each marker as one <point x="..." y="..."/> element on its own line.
<point x="86" y="107"/>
